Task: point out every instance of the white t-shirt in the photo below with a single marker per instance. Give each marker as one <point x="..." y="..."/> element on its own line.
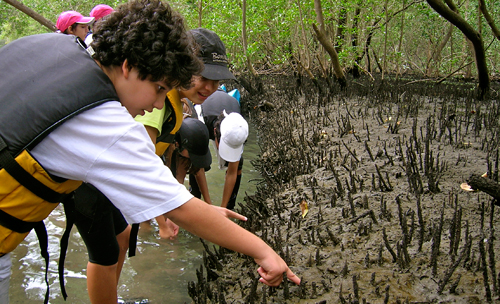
<point x="106" y="147"/>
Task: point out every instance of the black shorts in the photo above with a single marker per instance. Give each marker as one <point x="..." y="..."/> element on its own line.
<point x="99" y="222"/>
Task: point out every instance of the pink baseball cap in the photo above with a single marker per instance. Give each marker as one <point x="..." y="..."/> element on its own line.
<point x="68" y="18"/>
<point x="100" y="11"/>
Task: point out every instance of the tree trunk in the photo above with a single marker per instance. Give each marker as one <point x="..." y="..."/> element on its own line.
<point x="400" y="43"/>
<point x="476" y="40"/>
<point x="200" y="12"/>
<point x="436" y="55"/>
<point x="367" y="47"/>
<point x="339" y="37"/>
<point x="491" y="23"/>
<point x="333" y="55"/>
<point x="385" y="38"/>
<point x="319" y="17"/>
<point x="307" y="56"/>
<point x="244" y="38"/>
<point x="354" y="42"/>
<point x="28" y="11"/>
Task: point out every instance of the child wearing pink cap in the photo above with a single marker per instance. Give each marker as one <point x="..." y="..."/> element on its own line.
<point x="74" y="23"/>
<point x="100" y="11"/>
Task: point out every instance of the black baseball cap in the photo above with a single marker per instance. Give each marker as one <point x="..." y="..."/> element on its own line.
<point x="193" y="136"/>
<point x="213" y="55"/>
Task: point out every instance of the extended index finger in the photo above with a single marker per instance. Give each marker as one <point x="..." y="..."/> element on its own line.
<point x="235" y="215"/>
<point x="292" y="277"/>
<point x="229" y="213"/>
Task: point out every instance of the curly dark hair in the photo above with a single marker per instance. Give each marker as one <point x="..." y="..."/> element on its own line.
<point x="152" y="37"/>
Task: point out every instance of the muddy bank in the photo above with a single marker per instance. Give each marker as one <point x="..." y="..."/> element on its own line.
<point x="380" y="167"/>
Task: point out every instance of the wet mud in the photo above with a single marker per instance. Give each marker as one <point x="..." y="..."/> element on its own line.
<point x="379" y="167"/>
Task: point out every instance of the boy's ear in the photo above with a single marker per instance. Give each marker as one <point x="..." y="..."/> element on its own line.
<point x="125" y="69"/>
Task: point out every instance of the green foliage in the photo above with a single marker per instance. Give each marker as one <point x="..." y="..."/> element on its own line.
<point x="275" y="36"/>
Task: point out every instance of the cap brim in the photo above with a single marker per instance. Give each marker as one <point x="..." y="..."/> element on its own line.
<point x="86" y="20"/>
<point x="216" y="72"/>
<point x="201" y="161"/>
<point x="228" y="153"/>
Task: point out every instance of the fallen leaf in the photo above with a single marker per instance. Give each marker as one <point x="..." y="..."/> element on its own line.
<point x="304" y="208"/>
<point x="466" y="187"/>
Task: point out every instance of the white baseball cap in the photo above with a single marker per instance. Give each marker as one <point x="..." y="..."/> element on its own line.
<point x="234" y="133"/>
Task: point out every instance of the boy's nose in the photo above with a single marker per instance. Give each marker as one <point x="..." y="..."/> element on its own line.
<point x="160" y="102"/>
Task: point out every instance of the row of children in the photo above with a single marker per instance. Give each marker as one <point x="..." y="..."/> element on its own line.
<point x="140" y="52"/>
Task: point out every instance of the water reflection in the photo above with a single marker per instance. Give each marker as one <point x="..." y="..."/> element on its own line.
<point x="160" y="271"/>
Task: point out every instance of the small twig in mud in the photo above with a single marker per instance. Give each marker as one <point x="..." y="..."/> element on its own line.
<point x="351" y="204"/>
<point x="325" y="285"/>
<point x="455" y="229"/>
<point x="252" y="296"/>
<point x="355" y="289"/>
<point x="380" y="259"/>
<point x="346" y="126"/>
<point x="412" y="172"/>
<point x="386" y="299"/>
<point x="345" y="270"/>
<point x="350" y="152"/>
<point x="385" y="187"/>
<point x="369" y="212"/>
<point x="421" y="224"/>
<point x="220" y="293"/>
<point x="333" y="238"/>
<point x="318" y="258"/>
<point x="286" y="292"/>
<point x="482" y="257"/>
<point x="388" y="246"/>
<point x="453" y="287"/>
<point x="436" y="242"/>
<point x="341" y="296"/>
<point x="482" y="252"/>
<point x="401" y="261"/>
<point x="384" y="212"/>
<point x="211" y="256"/>
<point x="302" y="289"/>
<point x="491" y="250"/>
<point x="367" y="260"/>
<point x="442" y="283"/>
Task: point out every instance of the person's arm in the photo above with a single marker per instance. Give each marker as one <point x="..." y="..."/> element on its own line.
<point x="201" y="179"/>
<point x="204" y="221"/>
<point x="229" y="182"/>
<point x="152" y="132"/>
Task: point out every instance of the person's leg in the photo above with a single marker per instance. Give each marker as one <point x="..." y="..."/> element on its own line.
<point x="102" y="278"/>
<point x="123" y="240"/>
<point x="102" y="283"/>
<point x="194" y="188"/>
<point x="105" y="233"/>
<point x="5" y="265"/>
<point x="232" y="201"/>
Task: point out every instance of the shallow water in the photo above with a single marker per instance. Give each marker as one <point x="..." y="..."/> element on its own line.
<point x="159" y="272"/>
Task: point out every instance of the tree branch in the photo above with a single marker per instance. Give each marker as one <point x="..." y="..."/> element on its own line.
<point x="487" y="16"/>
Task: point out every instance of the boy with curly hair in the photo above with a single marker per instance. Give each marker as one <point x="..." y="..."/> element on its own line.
<point x="68" y="117"/>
